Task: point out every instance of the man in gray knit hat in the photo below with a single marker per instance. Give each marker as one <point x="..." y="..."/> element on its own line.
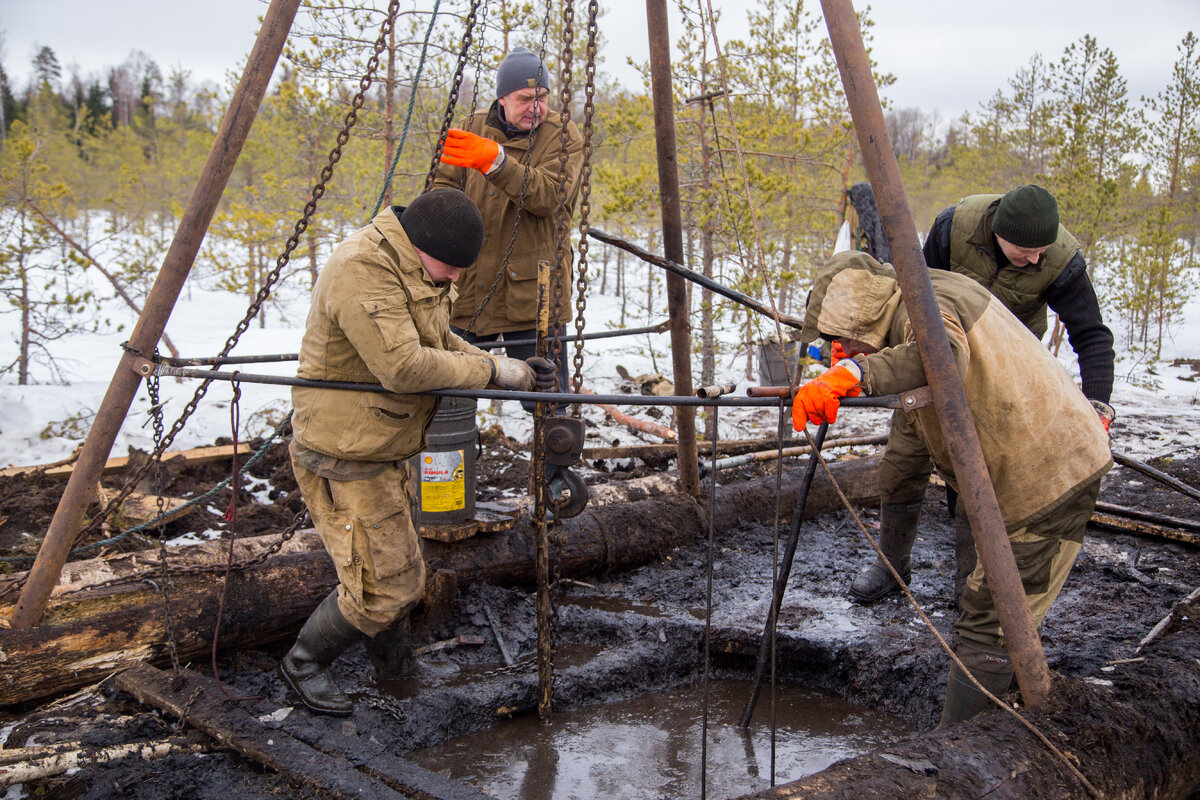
<point x="1014" y="246"/>
<point x="506" y="159"/>
<point x="379" y="317"/>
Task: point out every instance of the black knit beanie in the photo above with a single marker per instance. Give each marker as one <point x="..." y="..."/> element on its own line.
<point x="1027" y="217"/>
<point x="520" y="69"/>
<point x="444" y="223"/>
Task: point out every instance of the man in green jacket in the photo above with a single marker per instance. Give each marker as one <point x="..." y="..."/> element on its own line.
<point x="1014" y="246"/>
<point x="380" y="316"/>
<point x="1044" y="448"/>
<point x="507" y="159"/>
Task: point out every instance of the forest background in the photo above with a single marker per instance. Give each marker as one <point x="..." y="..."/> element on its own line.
<point x="95" y="168"/>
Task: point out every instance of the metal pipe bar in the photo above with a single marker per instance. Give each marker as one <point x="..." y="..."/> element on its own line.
<point x="695" y="277"/>
<point x="663" y="97"/>
<point x="975" y="487"/>
<point x="661" y="327"/>
<point x="785" y="571"/>
<point x="177" y="263"/>
<point x="1158" y="475"/>
<point x="892" y="401"/>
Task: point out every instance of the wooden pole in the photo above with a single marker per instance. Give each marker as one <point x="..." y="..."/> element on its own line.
<point x="157" y="310"/>
<point x="950" y="400"/>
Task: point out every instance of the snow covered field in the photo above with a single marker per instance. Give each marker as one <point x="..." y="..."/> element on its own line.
<point x="1158" y="405"/>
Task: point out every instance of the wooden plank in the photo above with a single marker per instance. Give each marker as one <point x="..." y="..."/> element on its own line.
<point x="139" y="507"/>
<point x="224" y="720"/>
<point x="489" y="518"/>
<point x="198" y="455"/>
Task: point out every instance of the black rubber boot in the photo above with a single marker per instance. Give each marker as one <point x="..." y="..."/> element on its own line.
<point x="897" y="532"/>
<point x="990" y="665"/>
<point x="324" y="636"/>
<point x="391" y="651"/>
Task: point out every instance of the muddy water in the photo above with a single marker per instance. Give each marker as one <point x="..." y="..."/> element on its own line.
<point x="651" y="746"/>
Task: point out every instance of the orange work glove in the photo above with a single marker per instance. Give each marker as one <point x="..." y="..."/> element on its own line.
<point x="836" y="354"/>
<point x="465" y="149"/>
<point x="817" y="401"/>
<point x="1105" y="412"/>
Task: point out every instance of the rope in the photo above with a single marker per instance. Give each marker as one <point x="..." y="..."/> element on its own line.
<point x="412" y="99"/>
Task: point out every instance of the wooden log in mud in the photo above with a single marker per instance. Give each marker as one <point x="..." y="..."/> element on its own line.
<point x="94" y="627"/>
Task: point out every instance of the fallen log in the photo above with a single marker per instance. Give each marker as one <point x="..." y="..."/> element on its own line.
<point x="220" y="717"/>
<point x="635" y="424"/>
<point x="37" y="763"/>
<point x="99" y="622"/>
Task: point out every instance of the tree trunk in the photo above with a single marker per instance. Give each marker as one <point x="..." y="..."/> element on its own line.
<point x="89" y="633"/>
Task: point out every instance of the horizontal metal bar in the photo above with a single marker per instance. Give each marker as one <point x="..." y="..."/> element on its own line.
<point x="146" y="368"/>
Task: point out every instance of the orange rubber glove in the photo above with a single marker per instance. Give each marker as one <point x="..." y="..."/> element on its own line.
<point x="817" y="401"/>
<point x="1105" y="412"/>
<point x="836" y="354"/>
<point x="465" y="149"/>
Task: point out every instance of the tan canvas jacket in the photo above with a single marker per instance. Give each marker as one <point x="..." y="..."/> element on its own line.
<point x="376" y="317"/>
<point x="513" y="304"/>
<point x="1040" y="436"/>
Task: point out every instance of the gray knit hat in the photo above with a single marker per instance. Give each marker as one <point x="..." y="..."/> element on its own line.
<point x="444" y="223"/>
<point x="1027" y="217"/>
<point x="520" y="69"/>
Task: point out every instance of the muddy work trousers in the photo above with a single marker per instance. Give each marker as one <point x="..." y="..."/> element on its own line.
<point x="1044" y="551"/>
<point x="367" y="529"/>
<point x="906" y="465"/>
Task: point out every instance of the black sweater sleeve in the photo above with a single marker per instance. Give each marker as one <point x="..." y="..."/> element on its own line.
<point x="1072" y="297"/>
<point x="937" y="243"/>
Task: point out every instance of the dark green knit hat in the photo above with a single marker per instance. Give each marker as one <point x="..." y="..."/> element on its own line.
<point x="1027" y="217"/>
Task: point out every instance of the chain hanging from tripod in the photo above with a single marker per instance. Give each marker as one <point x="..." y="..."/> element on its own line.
<point x="528" y="169"/>
<point x="456" y="84"/>
<point x="562" y="210"/>
<point x="155" y="463"/>
<point x="269" y="281"/>
<point x="585" y="191"/>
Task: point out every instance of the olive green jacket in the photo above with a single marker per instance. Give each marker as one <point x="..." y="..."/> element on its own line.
<point x="1040" y="437"/>
<point x="376" y="317"/>
<point x="1021" y="289"/>
<point x="531" y="163"/>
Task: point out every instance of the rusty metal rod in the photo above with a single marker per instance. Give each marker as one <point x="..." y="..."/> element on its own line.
<point x="663" y="97"/>
<point x="785" y="571"/>
<point x="1158" y="475"/>
<point x="695" y="277"/>
<point x="235" y="127"/>
<point x="975" y="487"/>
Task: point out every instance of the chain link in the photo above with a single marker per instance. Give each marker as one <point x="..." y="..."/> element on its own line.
<point x="152" y="387"/>
<point x="585" y="190"/>
<point x="455" y="85"/>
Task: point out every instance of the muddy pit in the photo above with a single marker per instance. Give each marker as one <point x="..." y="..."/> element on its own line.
<point x="620" y="637"/>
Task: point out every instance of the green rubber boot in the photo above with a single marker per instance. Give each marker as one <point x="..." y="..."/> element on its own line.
<point x="897" y="532"/>
<point x="990" y="665"/>
<point x="325" y="635"/>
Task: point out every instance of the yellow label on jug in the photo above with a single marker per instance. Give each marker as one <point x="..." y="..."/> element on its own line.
<point x="443" y="481"/>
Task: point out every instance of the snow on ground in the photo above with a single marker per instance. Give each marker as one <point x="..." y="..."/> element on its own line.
<point x="1158" y="405"/>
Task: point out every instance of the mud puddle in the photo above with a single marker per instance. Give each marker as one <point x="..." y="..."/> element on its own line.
<point x="650" y="746"/>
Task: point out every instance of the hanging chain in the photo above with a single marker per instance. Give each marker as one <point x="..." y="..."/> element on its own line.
<point x="272" y="278"/>
<point x="585" y="190"/>
<point x="152" y="387"/>
<point x="455" y="85"/>
<point x="512" y="237"/>
<point x="562" y="214"/>
<point x="479" y="51"/>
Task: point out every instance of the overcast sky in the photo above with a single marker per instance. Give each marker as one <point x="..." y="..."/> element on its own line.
<point x="947" y="55"/>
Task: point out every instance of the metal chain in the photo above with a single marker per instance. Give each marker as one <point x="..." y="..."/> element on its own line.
<point x="512" y="237"/>
<point x="152" y="386"/>
<point x="272" y="278"/>
<point x="456" y="84"/>
<point x="585" y="191"/>
<point x="562" y="216"/>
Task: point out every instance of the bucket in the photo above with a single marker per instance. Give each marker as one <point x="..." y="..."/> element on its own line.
<point x="446" y="467"/>
<point x="771" y="369"/>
